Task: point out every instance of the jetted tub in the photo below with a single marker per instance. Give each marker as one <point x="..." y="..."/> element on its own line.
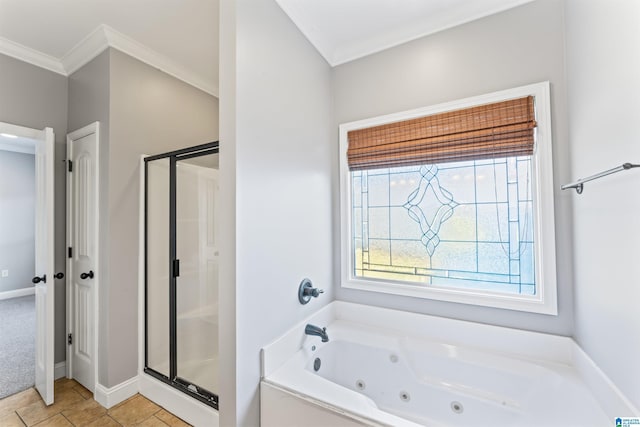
<point x="383" y="367"/>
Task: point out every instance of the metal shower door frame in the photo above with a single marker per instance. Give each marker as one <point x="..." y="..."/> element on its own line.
<point x="173" y="379"/>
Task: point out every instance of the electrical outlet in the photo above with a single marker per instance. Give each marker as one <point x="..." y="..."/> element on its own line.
<point x="5" y="273"/>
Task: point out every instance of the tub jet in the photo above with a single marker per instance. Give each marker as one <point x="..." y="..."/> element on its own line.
<point x="457" y="407"/>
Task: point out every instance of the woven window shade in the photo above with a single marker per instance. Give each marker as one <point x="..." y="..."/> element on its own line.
<point x="502" y="129"/>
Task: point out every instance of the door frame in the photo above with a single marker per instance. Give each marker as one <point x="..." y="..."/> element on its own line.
<point x="93" y="128"/>
<point x="47" y="136"/>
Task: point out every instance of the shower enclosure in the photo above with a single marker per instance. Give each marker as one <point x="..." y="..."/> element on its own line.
<point x="181" y="270"/>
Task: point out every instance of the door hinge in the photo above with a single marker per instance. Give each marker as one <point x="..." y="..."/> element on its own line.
<point x="70" y="339"/>
<point x="70" y="252"/>
<point x="70" y="163"/>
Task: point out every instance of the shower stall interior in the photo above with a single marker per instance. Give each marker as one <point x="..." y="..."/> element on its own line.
<point x="181" y="270"/>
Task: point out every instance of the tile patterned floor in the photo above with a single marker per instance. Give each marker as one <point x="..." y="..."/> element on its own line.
<point x="74" y="406"/>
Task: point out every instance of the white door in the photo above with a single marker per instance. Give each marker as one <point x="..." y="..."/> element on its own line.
<point x="44" y="274"/>
<point x="82" y="267"/>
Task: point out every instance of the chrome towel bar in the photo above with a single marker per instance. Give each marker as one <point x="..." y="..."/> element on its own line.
<point x="579" y="184"/>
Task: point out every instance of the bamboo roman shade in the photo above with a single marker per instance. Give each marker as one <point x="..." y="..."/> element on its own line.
<point x="502" y="129"/>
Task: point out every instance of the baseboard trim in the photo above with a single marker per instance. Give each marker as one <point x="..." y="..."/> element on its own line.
<point x="110" y="397"/>
<point x="17" y="293"/>
<point x="60" y="370"/>
<point x="613" y="402"/>
<point x="189" y="409"/>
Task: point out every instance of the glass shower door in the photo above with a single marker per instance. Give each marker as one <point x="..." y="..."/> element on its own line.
<point x="181" y="270"/>
<point x="157" y="265"/>
<point x="197" y="284"/>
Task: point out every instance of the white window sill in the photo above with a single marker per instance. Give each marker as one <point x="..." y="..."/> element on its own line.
<point x="531" y="304"/>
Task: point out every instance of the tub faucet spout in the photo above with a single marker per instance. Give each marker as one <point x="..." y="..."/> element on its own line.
<point x="316" y="330"/>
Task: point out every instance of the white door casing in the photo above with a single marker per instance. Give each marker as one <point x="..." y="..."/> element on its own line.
<point x="82" y="266"/>
<point x="45" y="247"/>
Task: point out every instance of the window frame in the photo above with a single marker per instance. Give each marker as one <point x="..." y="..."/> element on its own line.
<point x="545" y="300"/>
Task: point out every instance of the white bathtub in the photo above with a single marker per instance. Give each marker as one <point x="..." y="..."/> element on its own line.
<point x="383" y="367"/>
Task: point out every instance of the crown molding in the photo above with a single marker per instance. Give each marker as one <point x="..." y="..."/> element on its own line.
<point x="32" y="56"/>
<point x="93" y="45"/>
<point x="141" y="52"/>
<point x="356" y="49"/>
<point x="87" y="49"/>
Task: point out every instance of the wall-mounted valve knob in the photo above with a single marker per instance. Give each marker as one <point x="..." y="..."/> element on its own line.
<point x="306" y="291"/>
<point x="314" y="292"/>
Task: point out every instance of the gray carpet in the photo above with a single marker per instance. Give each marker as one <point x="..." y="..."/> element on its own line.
<point x="17" y="344"/>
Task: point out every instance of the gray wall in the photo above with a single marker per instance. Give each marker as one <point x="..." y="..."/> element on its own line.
<point x="514" y="48"/>
<point x="141" y="111"/>
<point x="17" y="219"/>
<point x="37" y="98"/>
<point x="88" y="103"/>
<point x="276" y="150"/>
<point x="150" y="113"/>
<point x="603" y="63"/>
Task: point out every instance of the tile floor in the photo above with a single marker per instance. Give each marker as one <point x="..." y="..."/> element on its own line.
<point x="74" y="406"/>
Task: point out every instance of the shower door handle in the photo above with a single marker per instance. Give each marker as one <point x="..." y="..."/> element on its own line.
<point x="176" y="268"/>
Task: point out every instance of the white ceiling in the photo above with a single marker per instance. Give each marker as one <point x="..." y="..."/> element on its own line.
<point x="179" y="36"/>
<point x="344" y="30"/>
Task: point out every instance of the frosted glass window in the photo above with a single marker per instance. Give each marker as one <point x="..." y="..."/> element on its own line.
<point x="455" y="225"/>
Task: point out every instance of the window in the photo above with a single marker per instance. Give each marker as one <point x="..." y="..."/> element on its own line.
<point x="462" y="215"/>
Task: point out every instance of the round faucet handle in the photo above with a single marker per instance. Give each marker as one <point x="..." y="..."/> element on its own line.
<point x="306" y="291"/>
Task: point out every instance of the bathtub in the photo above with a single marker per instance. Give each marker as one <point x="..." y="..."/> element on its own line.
<point x="387" y="368"/>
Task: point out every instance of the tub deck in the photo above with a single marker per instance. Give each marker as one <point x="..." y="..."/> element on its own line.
<point x="382" y="367"/>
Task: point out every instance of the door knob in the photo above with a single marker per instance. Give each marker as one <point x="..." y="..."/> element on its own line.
<point x="37" y="279"/>
<point x="87" y="275"/>
<point x="59" y="275"/>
